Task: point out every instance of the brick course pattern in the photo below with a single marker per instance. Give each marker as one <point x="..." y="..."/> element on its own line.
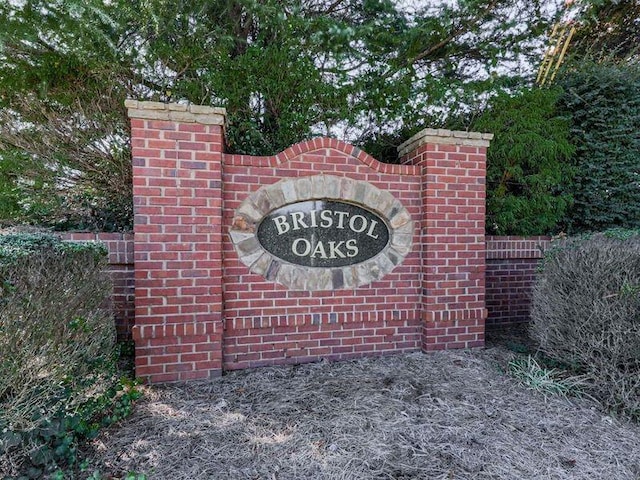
<point x="120" y="248"/>
<point x="199" y="309"/>
<point x="512" y="266"/>
<point x="186" y="190"/>
<point x="268" y="324"/>
<point x="177" y="190"/>
<point x="453" y="168"/>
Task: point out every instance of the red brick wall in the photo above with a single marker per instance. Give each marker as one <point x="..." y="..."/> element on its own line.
<point x="178" y="241"/>
<point x="512" y="264"/>
<point x="267" y="324"/>
<point x="120" y="247"/>
<point x="453" y="239"/>
<point x="199" y="309"/>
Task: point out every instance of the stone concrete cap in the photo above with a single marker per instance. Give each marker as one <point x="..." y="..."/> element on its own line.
<point x="445" y="137"/>
<point x="178" y="112"/>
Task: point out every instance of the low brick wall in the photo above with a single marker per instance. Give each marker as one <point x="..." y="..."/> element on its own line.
<point x="512" y="264"/>
<point x="120" y="247"/>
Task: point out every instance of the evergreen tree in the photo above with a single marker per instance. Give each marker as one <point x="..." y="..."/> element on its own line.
<point x="528" y="163"/>
<point x="603" y="102"/>
<point x="284" y="69"/>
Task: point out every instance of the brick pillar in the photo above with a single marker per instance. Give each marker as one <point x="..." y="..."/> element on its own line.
<point x="453" y="235"/>
<point x="177" y="192"/>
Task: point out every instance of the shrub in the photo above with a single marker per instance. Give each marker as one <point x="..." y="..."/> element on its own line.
<point x="603" y="102"/>
<point x="586" y="314"/>
<point x="527" y="163"/>
<point x="58" y="350"/>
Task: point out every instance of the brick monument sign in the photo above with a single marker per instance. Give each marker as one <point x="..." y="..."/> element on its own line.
<point x="319" y="252"/>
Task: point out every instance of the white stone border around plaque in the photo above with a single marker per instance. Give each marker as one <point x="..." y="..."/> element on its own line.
<point x="255" y="207"/>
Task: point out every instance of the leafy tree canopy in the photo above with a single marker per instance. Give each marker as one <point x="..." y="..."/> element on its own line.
<point x="284" y="69"/>
<point x="608" y="29"/>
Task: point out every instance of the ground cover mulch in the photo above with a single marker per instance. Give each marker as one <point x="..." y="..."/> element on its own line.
<point x="449" y="415"/>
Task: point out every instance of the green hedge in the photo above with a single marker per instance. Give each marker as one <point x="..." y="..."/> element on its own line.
<point x="603" y="102"/>
<point x="527" y="162"/>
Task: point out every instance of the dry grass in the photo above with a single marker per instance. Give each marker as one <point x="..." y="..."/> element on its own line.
<point x="451" y="415"/>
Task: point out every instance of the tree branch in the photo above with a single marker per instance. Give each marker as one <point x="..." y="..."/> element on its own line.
<point x="464" y="28"/>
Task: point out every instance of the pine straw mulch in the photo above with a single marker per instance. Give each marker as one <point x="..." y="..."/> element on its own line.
<point x="449" y="415"/>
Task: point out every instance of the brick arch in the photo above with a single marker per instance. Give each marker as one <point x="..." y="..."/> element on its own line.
<point x="318" y="144"/>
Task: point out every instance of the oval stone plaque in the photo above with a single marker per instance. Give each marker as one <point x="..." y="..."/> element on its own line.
<point x="323" y="233"/>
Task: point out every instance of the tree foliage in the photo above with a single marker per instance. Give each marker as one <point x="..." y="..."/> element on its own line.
<point x="527" y="163"/>
<point x="284" y="69"/>
<point x="63" y="139"/>
<point x="604" y="103"/>
<point x="608" y="29"/>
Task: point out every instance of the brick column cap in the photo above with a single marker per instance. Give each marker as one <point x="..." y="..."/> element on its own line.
<point x="444" y="137"/>
<point x="177" y="112"/>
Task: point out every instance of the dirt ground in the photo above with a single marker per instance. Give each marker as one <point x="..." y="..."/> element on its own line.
<point x="449" y="415"/>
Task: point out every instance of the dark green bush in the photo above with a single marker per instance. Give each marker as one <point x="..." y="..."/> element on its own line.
<point x="527" y="163"/>
<point x="586" y="314"/>
<point x="603" y="102"/>
<point x="58" y="364"/>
